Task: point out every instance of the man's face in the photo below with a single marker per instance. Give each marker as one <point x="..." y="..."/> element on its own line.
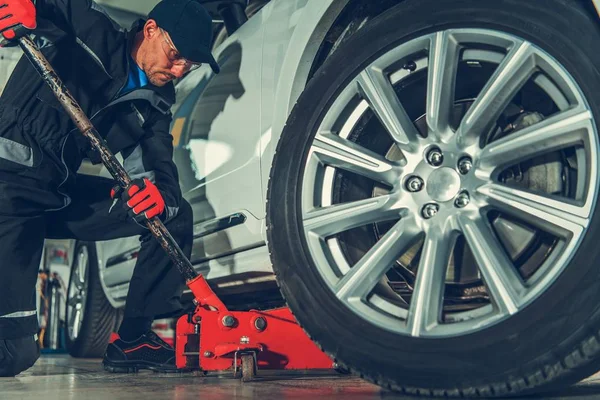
<point x="162" y="62"/>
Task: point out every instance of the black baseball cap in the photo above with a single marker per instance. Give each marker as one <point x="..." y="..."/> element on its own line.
<point x="190" y="27"/>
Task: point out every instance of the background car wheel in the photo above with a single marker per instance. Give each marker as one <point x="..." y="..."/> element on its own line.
<point x="432" y="202"/>
<point x="90" y="318"/>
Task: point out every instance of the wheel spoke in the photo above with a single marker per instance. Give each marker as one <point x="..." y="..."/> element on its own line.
<point x="78" y="280"/>
<point x="72" y="317"/>
<point x="427" y="299"/>
<point x="512" y="73"/>
<point x="561" y="131"/>
<point x="337" y="152"/>
<point x="557" y="217"/>
<point x="362" y="278"/>
<point x="74" y="300"/>
<point x="441" y="83"/>
<point x="501" y="278"/>
<point x="76" y="322"/>
<point x="327" y="221"/>
<point x="379" y="93"/>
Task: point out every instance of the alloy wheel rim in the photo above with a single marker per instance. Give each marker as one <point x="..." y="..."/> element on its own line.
<point x="78" y="294"/>
<point x="446" y="183"/>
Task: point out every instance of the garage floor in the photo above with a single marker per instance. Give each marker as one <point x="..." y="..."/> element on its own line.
<point x="62" y="377"/>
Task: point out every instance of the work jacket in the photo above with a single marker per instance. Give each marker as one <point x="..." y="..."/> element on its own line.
<point x="39" y="144"/>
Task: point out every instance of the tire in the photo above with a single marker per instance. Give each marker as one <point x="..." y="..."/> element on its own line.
<point x="99" y="317"/>
<point x="549" y="342"/>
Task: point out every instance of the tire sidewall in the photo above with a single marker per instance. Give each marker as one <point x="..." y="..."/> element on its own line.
<point x="546" y="329"/>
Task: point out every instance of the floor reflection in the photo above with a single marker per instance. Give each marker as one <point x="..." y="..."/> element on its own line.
<point x="61" y="377"/>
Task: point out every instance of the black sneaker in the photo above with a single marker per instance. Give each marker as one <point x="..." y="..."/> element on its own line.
<point x="146" y="352"/>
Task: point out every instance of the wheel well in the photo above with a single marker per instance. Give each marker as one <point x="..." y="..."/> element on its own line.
<point x="352" y="18"/>
<point x="357" y="12"/>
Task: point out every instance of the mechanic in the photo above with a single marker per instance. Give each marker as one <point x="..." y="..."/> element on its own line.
<point x="123" y="81"/>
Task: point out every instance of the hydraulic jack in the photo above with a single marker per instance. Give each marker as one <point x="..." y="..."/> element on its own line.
<point x="212" y="338"/>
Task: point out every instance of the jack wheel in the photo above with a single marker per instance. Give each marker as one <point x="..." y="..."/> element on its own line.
<point x="248" y="368"/>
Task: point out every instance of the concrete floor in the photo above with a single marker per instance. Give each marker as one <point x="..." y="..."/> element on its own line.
<point x="65" y="378"/>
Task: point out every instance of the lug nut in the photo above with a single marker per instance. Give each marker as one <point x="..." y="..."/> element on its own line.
<point x="462" y="200"/>
<point x="435" y="157"/>
<point x="414" y="184"/>
<point x="430" y="210"/>
<point x="228" y="321"/>
<point x="464" y="165"/>
<point x="208" y="354"/>
<point x="410" y="66"/>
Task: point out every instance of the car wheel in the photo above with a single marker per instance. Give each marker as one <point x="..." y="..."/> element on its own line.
<point x="90" y="318"/>
<point x="432" y="214"/>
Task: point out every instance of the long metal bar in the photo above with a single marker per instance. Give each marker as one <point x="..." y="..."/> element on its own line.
<point x="113" y="165"/>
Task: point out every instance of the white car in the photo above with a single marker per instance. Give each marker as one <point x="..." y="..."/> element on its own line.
<point x="419" y="177"/>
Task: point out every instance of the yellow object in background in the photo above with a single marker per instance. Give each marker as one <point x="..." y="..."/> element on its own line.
<point x="176" y="130"/>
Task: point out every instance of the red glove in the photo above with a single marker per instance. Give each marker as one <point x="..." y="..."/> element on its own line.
<point x="16" y="17"/>
<point x="142" y="199"/>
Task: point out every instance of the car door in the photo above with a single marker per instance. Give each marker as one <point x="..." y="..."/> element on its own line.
<point x="216" y="131"/>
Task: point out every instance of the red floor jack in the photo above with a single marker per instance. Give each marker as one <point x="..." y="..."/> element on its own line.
<point x="212" y="338"/>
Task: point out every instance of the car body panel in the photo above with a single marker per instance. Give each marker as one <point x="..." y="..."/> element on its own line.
<point x="288" y="54"/>
<point x="215" y="153"/>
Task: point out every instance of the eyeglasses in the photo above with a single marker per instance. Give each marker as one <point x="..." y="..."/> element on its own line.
<point x="174" y="56"/>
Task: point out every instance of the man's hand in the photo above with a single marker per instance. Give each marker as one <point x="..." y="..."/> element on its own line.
<point x="17" y="17"/>
<point x="142" y="200"/>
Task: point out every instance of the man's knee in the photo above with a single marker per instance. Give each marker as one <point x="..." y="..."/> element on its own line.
<point x="17" y="355"/>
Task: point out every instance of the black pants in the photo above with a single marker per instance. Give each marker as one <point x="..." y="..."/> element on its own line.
<point x="155" y="287"/>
